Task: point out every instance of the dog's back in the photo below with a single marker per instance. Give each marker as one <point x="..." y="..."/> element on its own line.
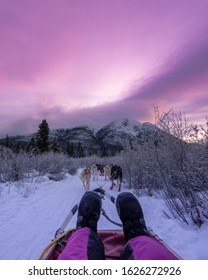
<point x="94" y="172"/>
<point x="116" y="172"/>
<point x="85" y="176"/>
<point x="107" y="172"/>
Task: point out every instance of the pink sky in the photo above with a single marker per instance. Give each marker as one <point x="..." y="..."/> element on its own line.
<point x="76" y="62"/>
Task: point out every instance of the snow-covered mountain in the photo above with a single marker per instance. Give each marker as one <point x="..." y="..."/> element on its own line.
<point x="115" y="136"/>
<point x="83" y="134"/>
<point x="123" y="133"/>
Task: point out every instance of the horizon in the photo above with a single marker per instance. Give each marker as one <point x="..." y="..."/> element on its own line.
<point x="78" y="62"/>
<point x="72" y="127"/>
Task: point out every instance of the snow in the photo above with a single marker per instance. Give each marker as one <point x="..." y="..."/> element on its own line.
<point x="28" y="224"/>
<point x="126" y="126"/>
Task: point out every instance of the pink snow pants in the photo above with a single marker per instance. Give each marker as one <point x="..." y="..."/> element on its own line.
<point x="84" y="244"/>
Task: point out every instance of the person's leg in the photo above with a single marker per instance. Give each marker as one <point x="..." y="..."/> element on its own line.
<point x="84" y="244"/>
<point x="139" y="245"/>
<point x="146" y="248"/>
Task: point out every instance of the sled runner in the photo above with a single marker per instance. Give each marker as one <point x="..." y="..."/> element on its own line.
<point x="113" y="240"/>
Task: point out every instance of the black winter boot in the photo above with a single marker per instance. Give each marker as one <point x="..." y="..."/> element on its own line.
<point x="131" y="215"/>
<point x="89" y="211"/>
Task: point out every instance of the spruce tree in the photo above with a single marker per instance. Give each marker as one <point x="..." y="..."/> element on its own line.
<point x="70" y="149"/>
<point x="32" y="146"/>
<point x="17" y="147"/>
<point x="80" y="150"/>
<point x="43" y="137"/>
<point x="54" y="146"/>
<point x="104" y="152"/>
<point x="7" y="143"/>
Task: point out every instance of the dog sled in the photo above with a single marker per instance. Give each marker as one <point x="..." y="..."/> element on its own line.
<point x="113" y="239"/>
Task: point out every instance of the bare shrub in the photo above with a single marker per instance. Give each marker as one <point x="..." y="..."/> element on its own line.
<point x="25" y="170"/>
<point x="13" y="167"/>
<point x="180" y="162"/>
<point x="50" y="163"/>
<point x="140" y="169"/>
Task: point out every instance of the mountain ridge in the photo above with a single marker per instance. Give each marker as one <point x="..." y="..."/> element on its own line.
<point x="114" y="136"/>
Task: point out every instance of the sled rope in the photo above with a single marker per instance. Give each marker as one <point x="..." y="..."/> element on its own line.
<point x="106" y="216"/>
<point x="101" y="186"/>
<point x="104" y="193"/>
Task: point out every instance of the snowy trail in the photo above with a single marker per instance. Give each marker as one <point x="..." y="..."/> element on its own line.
<point x="34" y="220"/>
<point x="27" y="225"/>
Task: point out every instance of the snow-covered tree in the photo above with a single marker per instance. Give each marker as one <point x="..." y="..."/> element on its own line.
<point x="43" y="137"/>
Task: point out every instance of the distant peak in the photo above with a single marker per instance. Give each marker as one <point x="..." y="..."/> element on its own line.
<point x="125" y="122"/>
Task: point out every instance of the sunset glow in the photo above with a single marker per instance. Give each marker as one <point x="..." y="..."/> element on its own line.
<point x="90" y="62"/>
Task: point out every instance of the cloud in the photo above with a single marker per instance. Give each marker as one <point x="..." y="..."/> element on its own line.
<point x="180" y="75"/>
<point x="96" y="117"/>
<point x="57" y="58"/>
<point x="183" y="77"/>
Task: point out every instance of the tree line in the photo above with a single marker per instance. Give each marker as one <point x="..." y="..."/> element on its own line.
<point x="41" y="143"/>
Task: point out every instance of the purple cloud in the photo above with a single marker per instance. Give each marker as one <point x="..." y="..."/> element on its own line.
<point x="57" y="58"/>
<point x="179" y="76"/>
